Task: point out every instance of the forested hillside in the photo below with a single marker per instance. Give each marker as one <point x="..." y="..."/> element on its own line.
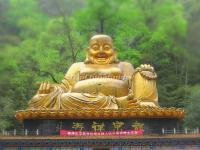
<point x="40" y="39"/>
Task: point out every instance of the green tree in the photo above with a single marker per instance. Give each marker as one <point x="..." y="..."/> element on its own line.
<point x="192" y="109"/>
<point x="19" y="69"/>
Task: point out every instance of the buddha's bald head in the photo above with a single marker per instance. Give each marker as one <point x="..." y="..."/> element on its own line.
<point x="101" y="50"/>
<point x="102" y="39"/>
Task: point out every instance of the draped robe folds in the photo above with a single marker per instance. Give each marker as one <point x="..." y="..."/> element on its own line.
<point x="64" y="96"/>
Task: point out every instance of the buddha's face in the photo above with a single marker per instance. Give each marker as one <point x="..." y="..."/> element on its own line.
<point x="101" y="50"/>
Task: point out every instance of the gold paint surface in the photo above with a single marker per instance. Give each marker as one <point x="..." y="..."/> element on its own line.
<point x="101" y="82"/>
<point x="102" y="113"/>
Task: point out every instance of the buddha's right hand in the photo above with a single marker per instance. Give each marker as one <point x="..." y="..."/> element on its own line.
<point x="45" y="88"/>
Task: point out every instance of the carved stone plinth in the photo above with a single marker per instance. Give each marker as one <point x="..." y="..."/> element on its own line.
<point x="153" y="119"/>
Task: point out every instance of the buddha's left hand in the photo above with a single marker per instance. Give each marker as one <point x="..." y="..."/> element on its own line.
<point x="146" y="67"/>
<point x="147" y="71"/>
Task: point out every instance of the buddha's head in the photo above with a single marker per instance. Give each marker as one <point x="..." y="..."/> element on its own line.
<point x="100" y="50"/>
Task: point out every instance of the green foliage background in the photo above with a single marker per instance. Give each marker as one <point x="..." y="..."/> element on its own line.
<point x="42" y="38"/>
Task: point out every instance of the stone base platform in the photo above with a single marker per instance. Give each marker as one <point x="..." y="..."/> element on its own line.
<point x="53" y="126"/>
<point x="150" y="119"/>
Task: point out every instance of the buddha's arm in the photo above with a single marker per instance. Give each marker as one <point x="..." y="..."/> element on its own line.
<point x="144" y="85"/>
<point x="69" y="80"/>
<point x="48" y="94"/>
<point x="71" y="77"/>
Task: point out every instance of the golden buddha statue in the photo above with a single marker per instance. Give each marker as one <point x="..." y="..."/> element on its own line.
<point x="100" y="82"/>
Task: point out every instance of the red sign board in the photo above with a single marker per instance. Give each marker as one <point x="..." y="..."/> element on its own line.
<point x="85" y="133"/>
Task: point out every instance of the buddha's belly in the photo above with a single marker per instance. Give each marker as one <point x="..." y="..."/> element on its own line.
<point x="105" y="86"/>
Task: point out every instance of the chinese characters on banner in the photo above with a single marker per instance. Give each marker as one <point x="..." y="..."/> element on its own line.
<point x="93" y="133"/>
<point x="99" y="129"/>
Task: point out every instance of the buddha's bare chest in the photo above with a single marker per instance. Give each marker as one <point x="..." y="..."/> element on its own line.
<point x="99" y="71"/>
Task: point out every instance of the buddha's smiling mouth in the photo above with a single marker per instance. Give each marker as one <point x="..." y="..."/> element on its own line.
<point x="102" y="60"/>
<point x="102" y="55"/>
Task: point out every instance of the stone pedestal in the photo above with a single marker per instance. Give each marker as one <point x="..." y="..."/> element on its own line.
<point x="50" y="122"/>
<point x="53" y="126"/>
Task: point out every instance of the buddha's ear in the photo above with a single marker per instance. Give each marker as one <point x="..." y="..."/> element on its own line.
<point x="87" y="57"/>
<point x="115" y="57"/>
<point x="87" y="60"/>
<point x="115" y="50"/>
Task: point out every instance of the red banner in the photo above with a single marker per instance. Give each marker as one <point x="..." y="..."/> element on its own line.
<point x="85" y="133"/>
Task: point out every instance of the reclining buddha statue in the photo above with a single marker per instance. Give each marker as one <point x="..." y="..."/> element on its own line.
<point x="100" y="82"/>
